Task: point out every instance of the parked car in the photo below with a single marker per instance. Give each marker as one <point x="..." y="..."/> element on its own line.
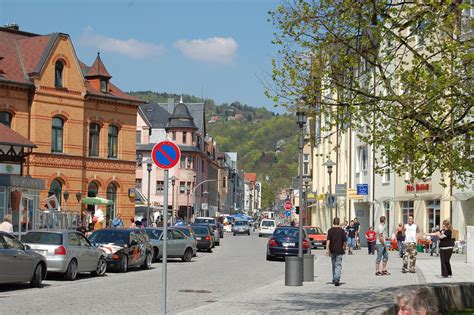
<point x="220" y="226"/>
<point x="188" y="231"/>
<point x="205" y="220"/>
<point x="18" y="263"/>
<point x="178" y="245"/>
<point x="203" y="237"/>
<point x="241" y="227"/>
<point x="316" y="236"/>
<point x="124" y="248"/>
<point x="67" y="251"/>
<point x="215" y="239"/>
<point x="284" y="242"/>
<point x="267" y="227"/>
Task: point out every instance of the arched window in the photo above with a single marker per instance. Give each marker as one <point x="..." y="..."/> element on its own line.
<point x="57" y="135"/>
<point x="58" y="74"/>
<point x="56" y="188"/>
<point x="94" y="139"/>
<point x="111" y="195"/>
<point x="113" y="141"/>
<point x="6" y="119"/>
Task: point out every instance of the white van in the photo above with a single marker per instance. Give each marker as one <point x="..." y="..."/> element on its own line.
<point x="267" y="227"/>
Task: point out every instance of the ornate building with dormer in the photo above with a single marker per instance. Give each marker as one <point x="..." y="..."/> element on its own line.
<point x="83" y="125"/>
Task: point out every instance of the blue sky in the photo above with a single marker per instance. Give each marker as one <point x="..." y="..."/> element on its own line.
<point x="220" y="47"/>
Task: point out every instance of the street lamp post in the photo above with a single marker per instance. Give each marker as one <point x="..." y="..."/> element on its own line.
<point x="188" y="216"/>
<point x="329" y="165"/>
<point x="173" y="215"/>
<point x="205" y="194"/>
<point x="301" y="121"/>
<point x="149" y="166"/>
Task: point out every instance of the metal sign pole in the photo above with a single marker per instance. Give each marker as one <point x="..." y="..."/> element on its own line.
<point x="165" y="241"/>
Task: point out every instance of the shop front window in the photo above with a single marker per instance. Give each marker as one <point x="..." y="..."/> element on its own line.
<point x="433" y="213"/>
<point x="407" y="210"/>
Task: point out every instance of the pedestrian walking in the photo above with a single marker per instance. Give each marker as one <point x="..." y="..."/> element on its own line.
<point x="351" y="234"/>
<point x="357" y="236"/>
<point x="446" y="245"/>
<point x="400" y="235"/>
<point x="381" y="247"/>
<point x="411" y="231"/>
<point x="371" y="236"/>
<point x="117" y="222"/>
<point x="434" y="241"/>
<point x="335" y="248"/>
<point x="6" y="225"/>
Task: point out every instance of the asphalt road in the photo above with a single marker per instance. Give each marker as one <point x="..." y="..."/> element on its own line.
<point x="236" y="266"/>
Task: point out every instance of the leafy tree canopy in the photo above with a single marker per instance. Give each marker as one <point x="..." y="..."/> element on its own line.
<point x="400" y="71"/>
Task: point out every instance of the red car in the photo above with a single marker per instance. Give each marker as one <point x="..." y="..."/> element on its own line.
<point x="316" y="236"/>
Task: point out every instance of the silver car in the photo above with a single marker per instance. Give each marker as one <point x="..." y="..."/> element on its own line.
<point x="67" y="251"/>
<point x="178" y="244"/>
<point x="241" y="227"/>
<point x="18" y="263"/>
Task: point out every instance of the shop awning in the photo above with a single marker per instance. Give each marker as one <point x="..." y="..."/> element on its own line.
<point x="463" y="196"/>
<point x="96" y="201"/>
<point x="428" y="197"/>
<point x="404" y="198"/>
<point x="382" y="199"/>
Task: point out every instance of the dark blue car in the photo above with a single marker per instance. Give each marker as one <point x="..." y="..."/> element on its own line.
<point x="284" y="242"/>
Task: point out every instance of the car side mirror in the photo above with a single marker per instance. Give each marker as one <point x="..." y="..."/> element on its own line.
<point x="27" y="247"/>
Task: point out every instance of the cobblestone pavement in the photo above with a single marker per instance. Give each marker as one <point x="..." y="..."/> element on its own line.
<point x="235" y="279"/>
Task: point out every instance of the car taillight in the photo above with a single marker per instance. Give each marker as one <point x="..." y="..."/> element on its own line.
<point x="305" y="243"/>
<point x="207" y="238"/>
<point x="115" y="256"/>
<point x="272" y="242"/>
<point x="61" y="250"/>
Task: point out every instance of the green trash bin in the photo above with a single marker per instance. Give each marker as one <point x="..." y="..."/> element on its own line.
<point x="419" y="248"/>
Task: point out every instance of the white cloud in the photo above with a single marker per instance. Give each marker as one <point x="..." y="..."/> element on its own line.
<point x="214" y="49"/>
<point x="132" y="48"/>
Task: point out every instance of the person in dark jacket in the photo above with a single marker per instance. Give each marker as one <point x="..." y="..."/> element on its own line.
<point x="446" y="245"/>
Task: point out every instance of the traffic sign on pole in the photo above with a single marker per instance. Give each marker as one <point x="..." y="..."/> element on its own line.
<point x="288" y="205"/>
<point x="165" y="155"/>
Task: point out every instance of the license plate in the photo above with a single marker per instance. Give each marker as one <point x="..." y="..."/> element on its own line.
<point x="288" y="244"/>
<point x="198" y="238"/>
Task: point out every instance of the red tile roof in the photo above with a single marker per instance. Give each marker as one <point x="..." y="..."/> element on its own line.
<point x="25" y="53"/>
<point x="251" y="177"/>
<point x="10" y="137"/>
<point x="98" y="69"/>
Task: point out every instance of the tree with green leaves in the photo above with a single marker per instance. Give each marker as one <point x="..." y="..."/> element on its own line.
<point x="401" y="71"/>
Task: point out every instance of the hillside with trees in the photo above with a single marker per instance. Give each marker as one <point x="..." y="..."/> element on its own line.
<point x="266" y="143"/>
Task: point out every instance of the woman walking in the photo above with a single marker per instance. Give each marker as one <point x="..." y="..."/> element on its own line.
<point x="446" y="245"/>
<point x="400" y="239"/>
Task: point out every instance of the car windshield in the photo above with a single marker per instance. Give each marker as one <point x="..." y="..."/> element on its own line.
<point x="240" y="223"/>
<point x="268" y="223"/>
<point x="43" y="238"/>
<point x="313" y="230"/>
<point x="200" y="230"/>
<point x="204" y="220"/>
<point x="286" y="233"/>
<point x="109" y="236"/>
<point x="153" y="234"/>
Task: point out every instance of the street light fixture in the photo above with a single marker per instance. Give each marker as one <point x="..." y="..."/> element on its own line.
<point x="149" y="167"/>
<point x="329" y="164"/>
<point x="301" y="121"/>
<point x="173" y="215"/>
<point x="205" y="194"/>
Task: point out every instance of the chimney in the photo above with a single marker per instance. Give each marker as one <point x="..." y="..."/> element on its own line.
<point x="12" y="26"/>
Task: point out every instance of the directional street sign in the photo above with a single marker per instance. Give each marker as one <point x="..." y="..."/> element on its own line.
<point x="331" y="201"/>
<point x="165" y="154"/>
<point x="362" y="189"/>
<point x="288" y="214"/>
<point x="288" y="205"/>
<point x="341" y="190"/>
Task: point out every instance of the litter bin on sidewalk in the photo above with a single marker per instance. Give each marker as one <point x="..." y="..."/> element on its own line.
<point x="308" y="267"/>
<point x="293" y="271"/>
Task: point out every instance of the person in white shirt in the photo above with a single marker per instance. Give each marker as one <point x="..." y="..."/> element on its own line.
<point x="411" y="231"/>
<point x="6" y="225"/>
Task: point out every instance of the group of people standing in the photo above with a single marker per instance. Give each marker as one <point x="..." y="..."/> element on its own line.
<point x="407" y="237"/>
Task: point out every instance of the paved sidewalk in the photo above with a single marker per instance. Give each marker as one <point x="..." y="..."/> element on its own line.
<point x="361" y="291"/>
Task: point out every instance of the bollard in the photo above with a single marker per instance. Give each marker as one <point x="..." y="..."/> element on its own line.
<point x="308" y="267"/>
<point x="293" y="271"/>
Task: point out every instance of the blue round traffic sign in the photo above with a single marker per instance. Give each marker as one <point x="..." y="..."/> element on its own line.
<point x="287" y="214"/>
<point x="165" y="154"/>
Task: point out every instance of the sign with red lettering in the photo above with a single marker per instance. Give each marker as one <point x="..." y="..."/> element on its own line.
<point x="418" y="188"/>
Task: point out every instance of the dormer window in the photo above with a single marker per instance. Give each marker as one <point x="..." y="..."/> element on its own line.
<point x="58" y="74"/>
<point x="104" y="85"/>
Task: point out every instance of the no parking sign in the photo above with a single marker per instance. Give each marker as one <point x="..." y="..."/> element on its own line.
<point x="166" y="155"/>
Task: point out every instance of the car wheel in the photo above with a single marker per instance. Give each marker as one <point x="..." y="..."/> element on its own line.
<point x="259" y="235"/>
<point x="156" y="251"/>
<point x="234" y="234"/>
<point x="188" y="255"/>
<point x="37" y="280"/>
<point x="123" y="264"/>
<point x="71" y="272"/>
<point x="101" y="268"/>
<point x="147" y="263"/>
<point x="218" y="243"/>
<point x="269" y="258"/>
<point x="209" y="250"/>
<point x="248" y="233"/>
